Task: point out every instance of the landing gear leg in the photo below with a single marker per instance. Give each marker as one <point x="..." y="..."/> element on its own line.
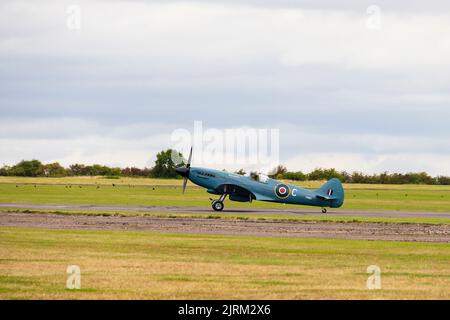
<point x="217" y="205"/>
<point x="324" y="210"/>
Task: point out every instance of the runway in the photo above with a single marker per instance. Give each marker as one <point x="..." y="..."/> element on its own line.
<point x="234" y="211"/>
<point x="232" y="227"/>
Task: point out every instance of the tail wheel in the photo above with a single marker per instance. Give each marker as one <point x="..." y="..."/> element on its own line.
<point x="324" y="210"/>
<point x="217" y="205"/>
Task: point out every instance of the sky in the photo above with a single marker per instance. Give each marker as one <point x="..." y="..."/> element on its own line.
<point x="354" y="85"/>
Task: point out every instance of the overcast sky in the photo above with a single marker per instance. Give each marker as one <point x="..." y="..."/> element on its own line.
<point x="344" y="92"/>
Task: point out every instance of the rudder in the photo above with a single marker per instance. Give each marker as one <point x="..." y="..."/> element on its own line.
<point x="333" y="192"/>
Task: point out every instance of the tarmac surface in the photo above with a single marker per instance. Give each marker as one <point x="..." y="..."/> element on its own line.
<point x="262" y="228"/>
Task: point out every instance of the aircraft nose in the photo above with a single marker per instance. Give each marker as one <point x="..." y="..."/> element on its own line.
<point x="183" y="171"/>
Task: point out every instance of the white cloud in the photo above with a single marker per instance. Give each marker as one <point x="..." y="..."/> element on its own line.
<point x="374" y="163"/>
<point x="112" y="92"/>
<point x="177" y="32"/>
<point x="71" y="141"/>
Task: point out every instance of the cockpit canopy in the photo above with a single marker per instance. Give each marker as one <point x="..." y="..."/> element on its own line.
<point x="258" y="177"/>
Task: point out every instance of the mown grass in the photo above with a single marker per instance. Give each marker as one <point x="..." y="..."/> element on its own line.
<point x="365" y="197"/>
<point x="133" y="265"/>
<point x="151" y="182"/>
<point x="94" y="180"/>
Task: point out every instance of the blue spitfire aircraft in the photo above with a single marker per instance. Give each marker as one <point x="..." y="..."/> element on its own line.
<point x="259" y="187"/>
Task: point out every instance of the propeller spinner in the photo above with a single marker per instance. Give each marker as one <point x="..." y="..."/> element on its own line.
<point x="184" y="171"/>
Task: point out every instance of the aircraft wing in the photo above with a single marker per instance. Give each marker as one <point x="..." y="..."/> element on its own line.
<point x="325" y="197"/>
<point x="262" y="197"/>
<point x="235" y="192"/>
<point x="239" y="193"/>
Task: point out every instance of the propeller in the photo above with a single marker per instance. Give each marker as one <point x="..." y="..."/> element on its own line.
<point x="184" y="171"/>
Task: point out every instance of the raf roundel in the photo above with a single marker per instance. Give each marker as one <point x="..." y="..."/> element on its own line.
<point x="282" y="191"/>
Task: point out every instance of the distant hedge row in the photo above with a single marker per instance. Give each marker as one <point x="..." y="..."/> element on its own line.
<point x="358" y="177"/>
<point x="34" y="168"/>
<point x="165" y="168"/>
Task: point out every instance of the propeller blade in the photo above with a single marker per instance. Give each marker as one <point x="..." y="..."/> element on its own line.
<point x="184" y="184"/>
<point x="189" y="159"/>
<point x="184" y="171"/>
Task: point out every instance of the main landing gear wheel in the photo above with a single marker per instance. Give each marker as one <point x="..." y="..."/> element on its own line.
<point x="324" y="210"/>
<point x="217" y="205"/>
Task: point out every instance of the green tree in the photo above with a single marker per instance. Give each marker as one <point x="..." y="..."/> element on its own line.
<point x="346" y="177"/>
<point x="164" y="165"/>
<point x="54" y="170"/>
<point x="30" y="168"/>
<point x="295" y="176"/>
<point x="443" y="180"/>
<point x="277" y="171"/>
<point x="325" y="174"/>
<point x="77" y="169"/>
<point x="4" y="171"/>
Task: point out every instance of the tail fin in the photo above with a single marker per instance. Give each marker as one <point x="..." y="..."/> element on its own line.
<point x="333" y="192"/>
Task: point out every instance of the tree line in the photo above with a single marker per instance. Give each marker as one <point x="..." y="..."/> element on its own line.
<point x="281" y="172"/>
<point x="164" y="167"/>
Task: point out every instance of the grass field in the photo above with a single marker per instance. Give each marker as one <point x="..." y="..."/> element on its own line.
<point x="84" y="180"/>
<point x="154" y="192"/>
<point x="131" y="265"/>
<point x="127" y="181"/>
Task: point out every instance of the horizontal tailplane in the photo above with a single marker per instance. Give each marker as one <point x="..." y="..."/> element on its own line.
<point x="333" y="192"/>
